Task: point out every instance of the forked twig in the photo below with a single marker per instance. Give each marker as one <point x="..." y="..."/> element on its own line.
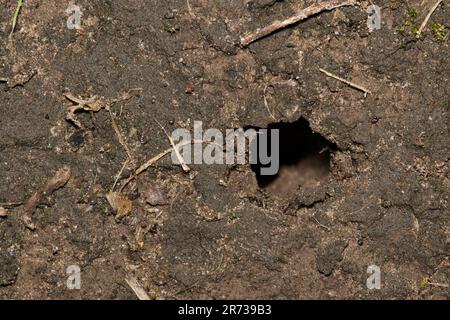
<point x="148" y="164"/>
<point x="302" y="15"/>
<point x="156" y="158"/>
<point x="321" y="224"/>
<point x="175" y="148"/>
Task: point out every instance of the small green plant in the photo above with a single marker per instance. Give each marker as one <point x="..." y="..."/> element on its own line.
<point x="439" y="31"/>
<point x="401" y="30"/>
<point x="386" y="204"/>
<point x="425" y="281"/>
<point x="409" y="23"/>
<point x="412" y="13"/>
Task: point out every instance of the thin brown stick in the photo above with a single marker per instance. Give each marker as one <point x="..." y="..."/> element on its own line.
<point x="3" y="80"/>
<point x="58" y="181"/>
<point x="119" y="174"/>
<point x="145" y="166"/>
<point x="266" y="104"/>
<point x="10" y="204"/>
<point x="351" y="84"/>
<point x="189" y="7"/>
<point x="442" y="285"/>
<point x="321" y="224"/>
<point x="302" y="15"/>
<point x="155" y="159"/>
<point x="430" y="13"/>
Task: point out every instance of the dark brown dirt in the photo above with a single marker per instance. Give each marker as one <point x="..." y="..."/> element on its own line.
<point x="380" y="197"/>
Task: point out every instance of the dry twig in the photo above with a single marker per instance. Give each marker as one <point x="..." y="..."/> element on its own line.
<point x="155" y="159"/>
<point x="145" y="166"/>
<point x="16" y="17"/>
<point x="430" y="13"/>
<point x="189" y="7"/>
<point x="137" y="289"/>
<point x="119" y="174"/>
<point x="175" y="148"/>
<point x="302" y="15"/>
<point x="9" y="205"/>
<point x="351" y="84"/>
<point x="58" y="181"/>
<point x="441" y="285"/>
<point x="266" y="104"/>
<point x="321" y="224"/>
<point x="120" y="136"/>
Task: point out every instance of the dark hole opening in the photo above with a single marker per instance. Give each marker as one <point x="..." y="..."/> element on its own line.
<point x="304" y="158"/>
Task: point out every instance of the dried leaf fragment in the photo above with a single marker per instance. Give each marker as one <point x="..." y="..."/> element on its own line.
<point x="93" y="104"/>
<point x="121" y="204"/>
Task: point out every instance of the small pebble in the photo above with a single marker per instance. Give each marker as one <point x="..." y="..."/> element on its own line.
<point x="189" y="89"/>
<point x="152" y="210"/>
<point x="154" y="196"/>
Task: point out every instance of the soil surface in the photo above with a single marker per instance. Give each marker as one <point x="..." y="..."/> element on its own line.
<point x="364" y="179"/>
